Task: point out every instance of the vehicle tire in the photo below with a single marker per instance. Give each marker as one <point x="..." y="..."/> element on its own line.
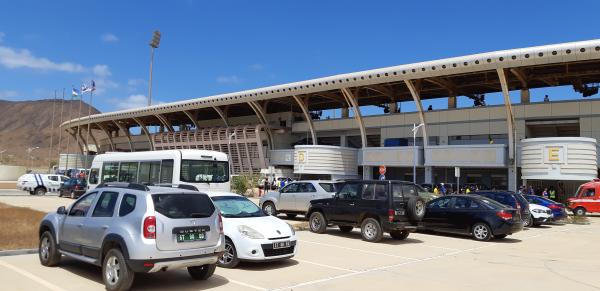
<point x="345" y="228"/>
<point x="317" y="222"/>
<point x="399" y="234"/>
<point x="269" y="208"/>
<point x="370" y="230"/>
<point x="415" y="209"/>
<point x="481" y="231"/>
<point x="40" y="191"/>
<point x="229" y="259"/>
<point x="47" y="251"/>
<point x="500" y="236"/>
<point x="116" y="274"/>
<point x="291" y="215"/>
<point x="60" y="193"/>
<point x="202" y="272"/>
<point x="537" y="224"/>
<point x="528" y="221"/>
<point x="72" y="195"/>
<point x="31" y="193"/>
<point x="579" y="211"/>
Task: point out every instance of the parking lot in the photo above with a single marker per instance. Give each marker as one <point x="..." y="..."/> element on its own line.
<point x="546" y="258"/>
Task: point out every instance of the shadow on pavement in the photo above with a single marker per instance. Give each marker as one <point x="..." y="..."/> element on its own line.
<point x="176" y="279"/>
<point x="386" y="238"/>
<point x="266" y="266"/>
<point x="467" y="237"/>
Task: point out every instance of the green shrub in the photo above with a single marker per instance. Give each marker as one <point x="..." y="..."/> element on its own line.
<point x="239" y="184"/>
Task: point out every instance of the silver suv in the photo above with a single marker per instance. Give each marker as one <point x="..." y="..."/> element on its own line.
<point x="295" y="197"/>
<point x="130" y="228"/>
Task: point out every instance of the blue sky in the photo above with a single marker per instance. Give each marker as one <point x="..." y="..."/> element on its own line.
<point x="211" y="47"/>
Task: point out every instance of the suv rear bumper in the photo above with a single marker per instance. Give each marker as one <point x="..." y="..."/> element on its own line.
<point x="155" y="265"/>
<point x="398" y="226"/>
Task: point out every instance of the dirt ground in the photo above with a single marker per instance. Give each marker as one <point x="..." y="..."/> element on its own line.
<point x="19" y="227"/>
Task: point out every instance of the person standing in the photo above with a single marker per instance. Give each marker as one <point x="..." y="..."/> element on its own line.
<point x="552" y="193"/>
<point x="545" y="193"/>
<point x="443" y="189"/>
<point x="436" y="191"/>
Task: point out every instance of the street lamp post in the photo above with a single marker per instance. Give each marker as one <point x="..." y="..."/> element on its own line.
<point x="153" y="44"/>
<point x="229" y="153"/>
<point x="414" y="131"/>
<point x="29" y="151"/>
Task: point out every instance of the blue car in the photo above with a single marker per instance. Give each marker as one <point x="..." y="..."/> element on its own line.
<point x="558" y="209"/>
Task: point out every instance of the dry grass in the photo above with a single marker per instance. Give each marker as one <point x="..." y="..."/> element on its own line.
<point x="19" y="227"/>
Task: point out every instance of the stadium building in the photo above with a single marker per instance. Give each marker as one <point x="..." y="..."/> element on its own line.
<point x="325" y="128"/>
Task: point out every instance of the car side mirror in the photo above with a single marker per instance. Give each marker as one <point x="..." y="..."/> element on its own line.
<point x="61" y="210"/>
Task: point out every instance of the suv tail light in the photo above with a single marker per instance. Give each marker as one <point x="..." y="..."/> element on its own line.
<point x="150" y="227"/>
<point x="391" y="214"/>
<point x="504" y="215"/>
<point x="220" y="223"/>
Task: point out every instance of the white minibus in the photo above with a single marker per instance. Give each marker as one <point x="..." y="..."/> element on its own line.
<point x="207" y="170"/>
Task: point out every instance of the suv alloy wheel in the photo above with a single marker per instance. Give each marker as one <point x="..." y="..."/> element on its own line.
<point x="116" y="274"/>
<point x="579" y="211"/>
<point x="229" y="258"/>
<point x="317" y="222"/>
<point x="269" y="208"/>
<point x="48" y="253"/>
<point x="371" y="230"/>
<point x="481" y="232"/>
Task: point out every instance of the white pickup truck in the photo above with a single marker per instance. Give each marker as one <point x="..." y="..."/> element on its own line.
<point x="39" y="184"/>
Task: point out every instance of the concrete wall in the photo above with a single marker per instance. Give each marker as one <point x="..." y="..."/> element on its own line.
<point x="484" y="156"/>
<point x="390" y="156"/>
<point x="325" y="160"/>
<point x="11" y="173"/>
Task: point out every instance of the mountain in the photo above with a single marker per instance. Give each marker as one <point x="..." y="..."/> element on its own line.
<point x="25" y="124"/>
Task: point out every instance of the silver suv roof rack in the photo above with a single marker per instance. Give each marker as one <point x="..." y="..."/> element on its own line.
<point x="124" y="185"/>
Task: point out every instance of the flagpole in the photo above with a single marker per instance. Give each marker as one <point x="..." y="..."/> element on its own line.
<point x="68" y="139"/>
<point x="62" y="103"/>
<point x="87" y="136"/>
<point x="78" y="126"/>
<point x="52" y="134"/>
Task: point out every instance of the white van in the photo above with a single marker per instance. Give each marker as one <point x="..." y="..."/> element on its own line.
<point x="206" y="170"/>
<point x="40" y="184"/>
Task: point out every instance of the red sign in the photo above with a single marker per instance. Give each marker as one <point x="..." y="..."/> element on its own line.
<point x="382" y="170"/>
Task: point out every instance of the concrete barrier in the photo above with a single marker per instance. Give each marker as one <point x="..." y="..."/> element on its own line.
<point x="11" y="173"/>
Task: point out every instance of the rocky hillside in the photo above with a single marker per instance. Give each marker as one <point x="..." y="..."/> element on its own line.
<point x="25" y="124"/>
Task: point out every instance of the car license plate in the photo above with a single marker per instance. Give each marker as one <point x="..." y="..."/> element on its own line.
<point x="191" y="236"/>
<point x="281" y="244"/>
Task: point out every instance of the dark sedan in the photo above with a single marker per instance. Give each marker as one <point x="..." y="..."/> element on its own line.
<point x="72" y="188"/>
<point x="477" y="216"/>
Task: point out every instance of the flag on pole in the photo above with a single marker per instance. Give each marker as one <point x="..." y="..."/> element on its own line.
<point x="93" y="86"/>
<point x="75" y="93"/>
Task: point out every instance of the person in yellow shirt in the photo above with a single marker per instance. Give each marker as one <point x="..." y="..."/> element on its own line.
<point x="468" y="190"/>
<point x="436" y="191"/>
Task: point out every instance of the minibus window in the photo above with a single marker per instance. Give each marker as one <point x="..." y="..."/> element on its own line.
<point x="166" y="171"/>
<point x="149" y="172"/>
<point x="202" y="171"/>
<point x="110" y="172"/>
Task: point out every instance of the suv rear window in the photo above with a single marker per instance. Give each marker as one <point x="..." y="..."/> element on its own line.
<point x="329" y="187"/>
<point x="183" y="205"/>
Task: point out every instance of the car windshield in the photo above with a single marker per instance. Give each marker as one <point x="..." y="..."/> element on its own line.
<point x="237" y="207"/>
<point x="199" y="171"/>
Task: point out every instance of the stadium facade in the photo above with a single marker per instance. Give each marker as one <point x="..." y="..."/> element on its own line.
<point x="501" y="146"/>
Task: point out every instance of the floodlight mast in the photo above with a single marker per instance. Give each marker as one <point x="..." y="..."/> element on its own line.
<point x="153" y="44"/>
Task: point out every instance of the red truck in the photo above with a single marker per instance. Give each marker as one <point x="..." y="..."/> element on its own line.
<point x="587" y="198"/>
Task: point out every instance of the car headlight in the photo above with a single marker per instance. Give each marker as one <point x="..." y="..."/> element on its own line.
<point x="250" y="232"/>
<point x="538" y="211"/>
<point x="292" y="229"/>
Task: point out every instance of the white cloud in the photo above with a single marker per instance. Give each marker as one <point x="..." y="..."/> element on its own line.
<point x="133" y="101"/>
<point x="257" y="67"/>
<point x="2" y="35"/>
<point x="233" y="79"/>
<point x="7" y="94"/>
<point x="109" y="37"/>
<point x="136" y="82"/>
<point x="13" y="59"/>
<point x="101" y="71"/>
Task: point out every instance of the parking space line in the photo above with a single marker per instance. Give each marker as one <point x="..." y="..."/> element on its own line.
<point x="326" y="266"/>
<point x="31" y="276"/>
<point x="247" y="285"/>
<point x="323" y="280"/>
<point x="358" y="250"/>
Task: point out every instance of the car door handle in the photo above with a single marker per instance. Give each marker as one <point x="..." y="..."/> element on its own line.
<point x="105" y="227"/>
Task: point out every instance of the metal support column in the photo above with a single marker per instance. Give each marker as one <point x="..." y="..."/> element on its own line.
<point x="309" y="121"/>
<point x="146" y="132"/>
<point x="415" y="92"/>
<point x="510" y="120"/>
<point x="352" y="102"/>
<point x="126" y="132"/>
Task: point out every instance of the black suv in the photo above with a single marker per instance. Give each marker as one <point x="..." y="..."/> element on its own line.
<point x="374" y="206"/>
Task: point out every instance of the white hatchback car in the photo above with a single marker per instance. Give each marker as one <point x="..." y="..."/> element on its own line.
<point x="539" y="214"/>
<point x="250" y="234"/>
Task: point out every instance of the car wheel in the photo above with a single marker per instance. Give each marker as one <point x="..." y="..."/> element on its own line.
<point x="31" y="193"/>
<point x="415" y="209"/>
<point x="371" y="230"/>
<point x="500" y="236"/>
<point x="116" y="274"/>
<point x="269" y="208"/>
<point x="229" y="259"/>
<point x="73" y="195"/>
<point x="60" y="194"/>
<point x="40" y="191"/>
<point x="291" y="216"/>
<point x="399" y="234"/>
<point x="345" y="228"/>
<point x="579" y="211"/>
<point x="481" y="232"/>
<point x="528" y="221"/>
<point x="537" y="224"/>
<point x="48" y="253"/>
<point x="202" y="272"/>
<point x="317" y="222"/>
